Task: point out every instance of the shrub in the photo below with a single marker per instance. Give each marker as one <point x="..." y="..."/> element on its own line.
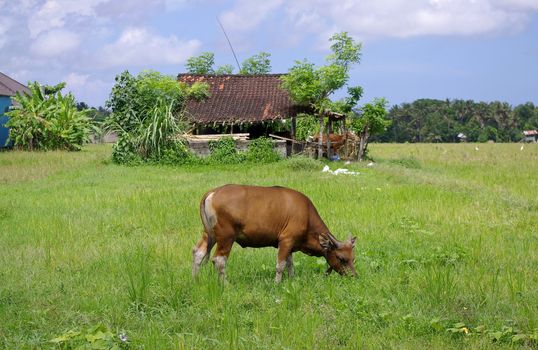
<point x="47" y="120"/>
<point x="177" y="153"/>
<point x="262" y="150"/>
<point x="223" y="151"/>
<point x="149" y="109"/>
<point x="124" y="151"/>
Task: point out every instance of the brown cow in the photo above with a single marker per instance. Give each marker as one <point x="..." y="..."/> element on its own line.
<point x="276" y="217"/>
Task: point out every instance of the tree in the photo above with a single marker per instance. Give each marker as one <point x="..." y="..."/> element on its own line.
<point x="202" y="64"/>
<point x="224" y="69"/>
<point x="147" y="113"/>
<point x="46" y="119"/>
<point x="370" y="121"/>
<point x="313" y="86"/>
<point x="257" y="64"/>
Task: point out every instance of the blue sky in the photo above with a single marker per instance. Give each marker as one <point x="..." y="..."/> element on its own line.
<point x="467" y="49"/>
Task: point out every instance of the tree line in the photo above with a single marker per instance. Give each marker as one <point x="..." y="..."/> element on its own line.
<point x="429" y="120"/>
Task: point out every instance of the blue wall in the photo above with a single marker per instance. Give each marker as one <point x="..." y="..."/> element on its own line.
<point x="5" y="102"/>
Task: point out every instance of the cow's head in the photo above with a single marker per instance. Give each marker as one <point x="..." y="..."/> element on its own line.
<point x="339" y="254"/>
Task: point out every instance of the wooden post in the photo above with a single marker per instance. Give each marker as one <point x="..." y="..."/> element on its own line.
<point x="293" y="130"/>
<point x="329" y="130"/>
<point x="320" y="141"/>
<point x="344" y="131"/>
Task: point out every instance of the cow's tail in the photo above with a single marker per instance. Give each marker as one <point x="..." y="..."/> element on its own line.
<point x="208" y="220"/>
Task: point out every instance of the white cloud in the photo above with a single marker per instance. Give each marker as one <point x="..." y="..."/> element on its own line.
<point x="54" y="14"/>
<point x="385" y="18"/>
<point x="139" y="47"/>
<point x="75" y="80"/>
<point x="5" y="25"/>
<point x="88" y="88"/>
<point x="55" y="43"/>
<point x="248" y="14"/>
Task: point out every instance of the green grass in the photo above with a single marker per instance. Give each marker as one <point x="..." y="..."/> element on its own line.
<point x="446" y="234"/>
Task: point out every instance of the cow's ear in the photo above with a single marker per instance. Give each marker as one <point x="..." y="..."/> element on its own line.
<point x="325" y="242"/>
<point x="352" y="241"/>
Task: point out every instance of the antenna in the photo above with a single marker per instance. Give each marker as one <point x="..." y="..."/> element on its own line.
<point x="229" y="43"/>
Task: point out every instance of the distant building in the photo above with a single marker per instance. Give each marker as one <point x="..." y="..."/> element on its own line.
<point x="8" y="88"/>
<point x="530" y="136"/>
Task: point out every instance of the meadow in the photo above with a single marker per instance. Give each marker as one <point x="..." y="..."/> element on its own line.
<point x="446" y="253"/>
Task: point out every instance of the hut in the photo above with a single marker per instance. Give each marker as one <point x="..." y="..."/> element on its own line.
<point x="530" y="136"/>
<point x="8" y="88"/>
<point x="249" y="104"/>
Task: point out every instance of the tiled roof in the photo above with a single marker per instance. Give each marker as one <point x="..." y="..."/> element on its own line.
<point x="241" y="98"/>
<point x="10" y="87"/>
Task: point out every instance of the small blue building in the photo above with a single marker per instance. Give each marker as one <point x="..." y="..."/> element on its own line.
<point x="8" y="89"/>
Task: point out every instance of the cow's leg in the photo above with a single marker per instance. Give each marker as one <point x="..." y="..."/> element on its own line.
<point x="199" y="253"/>
<point x="220" y="257"/>
<point x="224" y="246"/>
<point x="289" y="265"/>
<point x="284" y="251"/>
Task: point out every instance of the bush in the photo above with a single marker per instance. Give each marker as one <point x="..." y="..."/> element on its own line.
<point x="149" y="109"/>
<point x="124" y="151"/>
<point x="47" y="120"/>
<point x="262" y="150"/>
<point x="223" y="151"/>
<point x="177" y="153"/>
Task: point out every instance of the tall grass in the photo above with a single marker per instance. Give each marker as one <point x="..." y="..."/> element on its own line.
<point x="449" y="242"/>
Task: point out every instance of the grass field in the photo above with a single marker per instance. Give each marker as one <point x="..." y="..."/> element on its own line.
<point x="447" y="253"/>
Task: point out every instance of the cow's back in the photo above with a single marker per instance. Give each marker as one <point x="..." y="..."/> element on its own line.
<point x="260" y="216"/>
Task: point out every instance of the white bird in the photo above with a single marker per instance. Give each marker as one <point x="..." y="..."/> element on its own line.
<point x="521" y="149"/>
<point x="476" y="148"/>
<point x="370" y="164"/>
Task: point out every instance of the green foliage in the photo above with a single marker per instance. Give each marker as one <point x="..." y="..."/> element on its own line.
<point x="507" y="334"/>
<point x="177" y="153"/>
<point x="306" y="125"/>
<point x="302" y="83"/>
<point x="47" y="120"/>
<point x="261" y="150"/>
<point x="345" y="50"/>
<point x="202" y="64"/>
<point x="428" y="120"/>
<point x="124" y="151"/>
<point x="372" y="118"/>
<point x="98" y="337"/>
<point x="313" y="86"/>
<point x="223" y="151"/>
<point x="126" y="104"/>
<point x="224" y="69"/>
<point x="257" y="64"/>
<point x="149" y="109"/>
